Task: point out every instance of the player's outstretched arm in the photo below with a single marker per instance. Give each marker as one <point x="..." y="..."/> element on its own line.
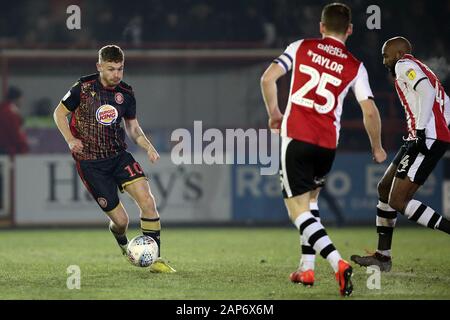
<point x="270" y="94"/>
<point x="372" y="123"/>
<point x="60" y="116"/>
<point x="135" y="133"/>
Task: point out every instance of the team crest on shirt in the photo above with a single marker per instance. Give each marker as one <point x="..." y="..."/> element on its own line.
<point x="411" y="74"/>
<point x="119" y="97"/>
<point x="106" y="114"/>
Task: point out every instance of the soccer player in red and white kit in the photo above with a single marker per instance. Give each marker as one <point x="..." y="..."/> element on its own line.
<point x="427" y="109"/>
<point x="323" y="71"/>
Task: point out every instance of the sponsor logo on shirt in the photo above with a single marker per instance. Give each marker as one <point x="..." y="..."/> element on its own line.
<point x="411" y="74"/>
<point x="106" y="114"/>
<point x="334" y="51"/>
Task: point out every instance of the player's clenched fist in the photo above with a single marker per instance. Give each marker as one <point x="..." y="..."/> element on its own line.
<point x="379" y="155"/>
<point x="153" y="155"/>
<point x="75" y="145"/>
<point x="275" y="123"/>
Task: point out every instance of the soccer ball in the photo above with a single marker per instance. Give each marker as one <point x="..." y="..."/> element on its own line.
<point x="142" y="251"/>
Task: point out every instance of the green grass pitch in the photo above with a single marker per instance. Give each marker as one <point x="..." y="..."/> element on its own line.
<point x="215" y="263"/>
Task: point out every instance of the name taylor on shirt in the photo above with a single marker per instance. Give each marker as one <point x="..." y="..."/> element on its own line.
<point x="325" y="62"/>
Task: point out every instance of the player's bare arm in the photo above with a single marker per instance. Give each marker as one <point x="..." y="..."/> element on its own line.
<point x="135" y="133"/>
<point x="60" y="116"/>
<point x="270" y="96"/>
<point x="372" y="123"/>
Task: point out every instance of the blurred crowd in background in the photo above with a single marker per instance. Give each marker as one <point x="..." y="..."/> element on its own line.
<point x="214" y="23"/>
<point x="222" y="24"/>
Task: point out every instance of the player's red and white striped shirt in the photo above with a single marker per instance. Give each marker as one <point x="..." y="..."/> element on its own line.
<point x="323" y="72"/>
<point x="428" y="114"/>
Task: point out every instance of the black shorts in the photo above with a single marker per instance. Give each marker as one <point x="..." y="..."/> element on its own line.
<point x="303" y="166"/>
<point x="416" y="166"/>
<point x="103" y="177"/>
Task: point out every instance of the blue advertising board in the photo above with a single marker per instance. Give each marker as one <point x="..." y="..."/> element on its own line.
<point x="351" y="191"/>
